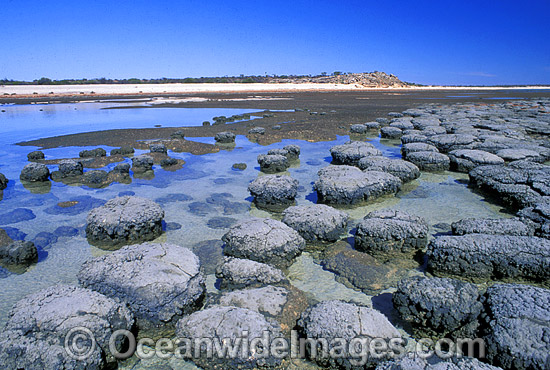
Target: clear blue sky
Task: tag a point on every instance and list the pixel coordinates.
(430, 42)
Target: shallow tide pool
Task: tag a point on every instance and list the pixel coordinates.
(200, 201)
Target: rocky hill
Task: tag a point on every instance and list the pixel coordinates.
(371, 79)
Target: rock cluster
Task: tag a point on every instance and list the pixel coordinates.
(273, 191)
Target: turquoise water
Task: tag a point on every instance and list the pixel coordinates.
(192, 214)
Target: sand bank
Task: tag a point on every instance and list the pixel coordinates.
(176, 88)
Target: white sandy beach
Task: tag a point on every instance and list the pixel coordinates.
(177, 88)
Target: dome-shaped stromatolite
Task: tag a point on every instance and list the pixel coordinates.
(351, 152)
(3, 182)
(464, 160)
(71, 168)
(273, 163)
(239, 273)
(124, 220)
(349, 185)
(225, 137)
(316, 222)
(273, 191)
(439, 306)
(40, 323)
(142, 163)
(159, 282)
(35, 172)
(429, 161)
(336, 319)
(406, 171)
(517, 326)
(263, 240)
(389, 232)
(391, 132)
(229, 324)
(408, 148)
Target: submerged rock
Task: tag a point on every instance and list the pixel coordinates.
(439, 307)
(239, 166)
(238, 273)
(517, 319)
(351, 152)
(349, 185)
(40, 324)
(386, 233)
(273, 163)
(405, 171)
(273, 191)
(17, 215)
(124, 220)
(35, 172)
(481, 257)
(95, 178)
(158, 282)
(317, 222)
(263, 240)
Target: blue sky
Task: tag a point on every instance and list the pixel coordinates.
(429, 42)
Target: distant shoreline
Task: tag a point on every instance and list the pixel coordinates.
(28, 91)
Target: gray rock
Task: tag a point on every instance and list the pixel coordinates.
(158, 148)
(158, 282)
(481, 257)
(517, 319)
(408, 148)
(225, 137)
(263, 240)
(389, 132)
(142, 163)
(351, 152)
(124, 220)
(238, 273)
(95, 178)
(35, 172)
(180, 134)
(273, 191)
(3, 182)
(359, 128)
(125, 150)
(517, 154)
(71, 168)
(35, 156)
(381, 121)
(336, 319)
(413, 138)
(168, 162)
(349, 185)
(39, 324)
(317, 222)
(405, 171)
(518, 185)
(98, 152)
(228, 324)
(273, 163)
(439, 307)
(257, 131)
(388, 232)
(464, 160)
(268, 300)
(429, 161)
(402, 124)
(425, 122)
(18, 253)
(493, 226)
(448, 142)
(293, 151)
(417, 363)
(540, 215)
(123, 168)
(395, 115)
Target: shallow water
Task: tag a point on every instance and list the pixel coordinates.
(186, 196)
